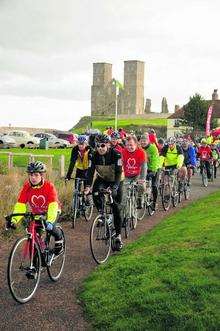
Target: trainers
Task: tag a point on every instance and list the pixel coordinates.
(118, 243)
(58, 248)
(31, 273)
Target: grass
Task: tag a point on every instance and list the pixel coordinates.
(169, 279)
(125, 123)
(21, 161)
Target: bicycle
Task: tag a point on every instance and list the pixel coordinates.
(30, 254)
(130, 209)
(102, 232)
(81, 205)
(148, 202)
(203, 172)
(169, 188)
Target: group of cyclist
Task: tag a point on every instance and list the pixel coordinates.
(115, 160)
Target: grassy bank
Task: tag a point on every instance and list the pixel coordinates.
(167, 280)
(21, 161)
(127, 124)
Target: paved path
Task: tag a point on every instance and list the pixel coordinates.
(55, 305)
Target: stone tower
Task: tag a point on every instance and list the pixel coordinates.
(215, 95)
(147, 109)
(133, 87)
(164, 106)
(103, 92)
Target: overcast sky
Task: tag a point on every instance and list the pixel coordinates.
(47, 48)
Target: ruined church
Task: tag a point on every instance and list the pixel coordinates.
(130, 96)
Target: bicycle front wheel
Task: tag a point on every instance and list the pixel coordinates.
(74, 209)
(100, 239)
(56, 264)
(88, 210)
(142, 211)
(166, 196)
(204, 178)
(23, 271)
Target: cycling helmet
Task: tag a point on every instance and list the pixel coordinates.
(203, 141)
(82, 139)
(115, 135)
(102, 138)
(171, 141)
(36, 166)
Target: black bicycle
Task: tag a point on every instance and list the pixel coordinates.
(82, 205)
(102, 233)
(30, 254)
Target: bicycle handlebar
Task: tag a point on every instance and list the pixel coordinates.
(27, 215)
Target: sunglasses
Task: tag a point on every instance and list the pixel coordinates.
(101, 145)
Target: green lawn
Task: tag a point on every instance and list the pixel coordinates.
(21, 161)
(125, 123)
(167, 280)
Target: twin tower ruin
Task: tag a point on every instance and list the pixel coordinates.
(130, 99)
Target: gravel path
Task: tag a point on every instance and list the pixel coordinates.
(55, 305)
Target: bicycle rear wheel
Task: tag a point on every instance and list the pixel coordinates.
(88, 210)
(23, 278)
(166, 196)
(100, 239)
(56, 264)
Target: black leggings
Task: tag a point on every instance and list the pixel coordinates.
(155, 177)
(116, 208)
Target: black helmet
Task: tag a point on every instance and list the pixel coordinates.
(36, 166)
(102, 138)
(161, 141)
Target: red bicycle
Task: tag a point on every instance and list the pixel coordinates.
(30, 254)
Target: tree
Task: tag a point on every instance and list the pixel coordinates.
(195, 113)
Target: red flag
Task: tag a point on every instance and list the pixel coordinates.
(208, 120)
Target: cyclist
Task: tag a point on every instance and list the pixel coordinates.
(215, 157)
(135, 168)
(79, 158)
(108, 166)
(115, 142)
(189, 158)
(153, 164)
(205, 156)
(160, 144)
(172, 158)
(40, 196)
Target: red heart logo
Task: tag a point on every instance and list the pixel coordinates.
(38, 201)
(131, 163)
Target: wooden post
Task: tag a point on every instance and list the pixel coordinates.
(10, 160)
(62, 166)
(51, 161)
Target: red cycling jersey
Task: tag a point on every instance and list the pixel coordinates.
(204, 153)
(38, 198)
(132, 162)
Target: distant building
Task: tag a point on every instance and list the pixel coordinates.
(174, 121)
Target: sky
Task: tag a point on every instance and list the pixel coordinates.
(47, 48)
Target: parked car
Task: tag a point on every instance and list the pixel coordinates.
(53, 141)
(69, 136)
(6, 141)
(24, 139)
